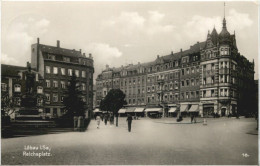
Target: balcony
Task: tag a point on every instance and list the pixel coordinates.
(224, 71)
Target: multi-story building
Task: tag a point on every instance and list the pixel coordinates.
(13, 88)
(211, 77)
(56, 65)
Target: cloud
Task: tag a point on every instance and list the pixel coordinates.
(103, 53)
(197, 28)
(5, 59)
(129, 23)
(19, 37)
(238, 21)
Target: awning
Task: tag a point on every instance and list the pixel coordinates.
(130, 109)
(153, 110)
(184, 107)
(122, 110)
(208, 105)
(194, 108)
(139, 110)
(173, 109)
(97, 110)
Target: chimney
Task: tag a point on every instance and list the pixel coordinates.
(181, 49)
(38, 40)
(138, 63)
(90, 55)
(172, 52)
(58, 43)
(80, 50)
(158, 56)
(84, 54)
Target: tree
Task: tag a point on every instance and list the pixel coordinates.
(73, 102)
(114, 100)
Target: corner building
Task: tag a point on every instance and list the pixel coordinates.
(209, 78)
(56, 65)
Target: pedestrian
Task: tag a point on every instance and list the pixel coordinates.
(101, 116)
(191, 118)
(98, 121)
(129, 119)
(105, 118)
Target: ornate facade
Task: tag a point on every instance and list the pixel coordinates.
(209, 78)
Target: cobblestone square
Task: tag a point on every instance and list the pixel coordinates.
(227, 141)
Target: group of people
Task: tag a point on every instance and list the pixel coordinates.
(107, 117)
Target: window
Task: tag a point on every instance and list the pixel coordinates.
(62, 71)
(48, 83)
(212, 66)
(77, 73)
(3, 86)
(188, 71)
(192, 94)
(47, 97)
(66, 59)
(198, 69)
(197, 82)
(192, 70)
(83, 85)
(182, 71)
(18, 101)
(83, 74)
(187, 83)
(39, 89)
(39, 101)
(70, 72)
(204, 93)
(48, 69)
(62, 84)
(182, 83)
(212, 80)
(204, 81)
(17, 88)
(55, 98)
(197, 94)
(187, 95)
(55, 70)
(61, 98)
(55, 84)
(212, 93)
(192, 82)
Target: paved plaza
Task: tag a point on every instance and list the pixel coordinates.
(152, 141)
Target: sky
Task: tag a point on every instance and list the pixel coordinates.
(121, 33)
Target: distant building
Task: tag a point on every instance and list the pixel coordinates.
(56, 65)
(211, 77)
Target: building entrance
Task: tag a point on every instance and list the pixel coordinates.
(223, 111)
(208, 110)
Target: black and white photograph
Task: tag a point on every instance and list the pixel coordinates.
(129, 82)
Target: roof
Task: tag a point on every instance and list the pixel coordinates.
(10, 70)
(60, 51)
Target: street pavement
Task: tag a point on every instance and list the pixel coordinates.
(223, 141)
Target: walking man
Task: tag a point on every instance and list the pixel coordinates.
(129, 119)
